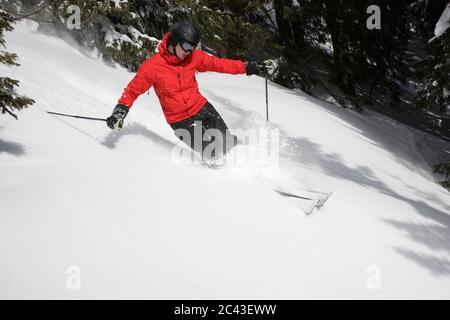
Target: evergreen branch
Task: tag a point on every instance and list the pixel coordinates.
(19, 17)
(446, 184)
(8, 58)
(442, 169)
(266, 12)
(5, 109)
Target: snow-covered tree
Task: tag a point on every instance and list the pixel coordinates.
(434, 72)
(114, 28)
(9, 99)
(435, 94)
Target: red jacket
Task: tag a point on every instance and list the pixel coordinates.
(174, 80)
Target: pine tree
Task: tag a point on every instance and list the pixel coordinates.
(9, 99)
(435, 94)
(443, 169)
(434, 72)
(367, 63)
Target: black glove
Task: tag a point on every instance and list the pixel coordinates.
(115, 121)
(257, 68)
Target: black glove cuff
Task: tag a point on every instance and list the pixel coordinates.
(120, 111)
(250, 68)
(254, 67)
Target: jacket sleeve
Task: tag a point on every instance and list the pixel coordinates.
(206, 62)
(141, 82)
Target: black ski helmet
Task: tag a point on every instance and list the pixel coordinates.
(184, 32)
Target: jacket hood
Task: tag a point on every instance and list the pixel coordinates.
(162, 49)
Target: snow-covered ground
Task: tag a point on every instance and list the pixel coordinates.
(136, 224)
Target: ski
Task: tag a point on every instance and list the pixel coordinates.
(306, 203)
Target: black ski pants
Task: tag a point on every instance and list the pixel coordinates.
(209, 124)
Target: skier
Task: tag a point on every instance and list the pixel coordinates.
(172, 74)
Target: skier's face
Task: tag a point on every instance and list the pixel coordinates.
(181, 54)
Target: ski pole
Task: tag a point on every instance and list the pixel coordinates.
(74, 116)
(267, 102)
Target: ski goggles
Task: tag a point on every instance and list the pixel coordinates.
(187, 47)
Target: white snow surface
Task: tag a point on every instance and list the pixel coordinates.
(139, 225)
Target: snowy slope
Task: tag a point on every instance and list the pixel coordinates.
(139, 225)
